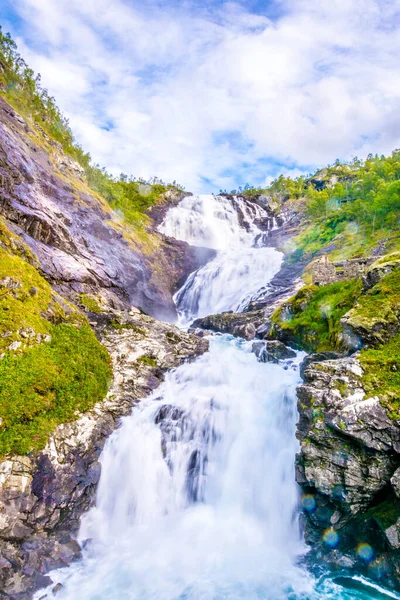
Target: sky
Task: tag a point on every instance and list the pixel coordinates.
(217, 94)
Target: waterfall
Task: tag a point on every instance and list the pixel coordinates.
(240, 268)
(197, 497)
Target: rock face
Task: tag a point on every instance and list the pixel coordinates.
(348, 468)
(83, 246)
(42, 496)
(272, 351)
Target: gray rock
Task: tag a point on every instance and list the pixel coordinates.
(272, 351)
(81, 244)
(348, 463)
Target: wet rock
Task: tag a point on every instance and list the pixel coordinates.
(199, 332)
(272, 351)
(317, 357)
(238, 324)
(168, 411)
(349, 464)
(395, 481)
(380, 268)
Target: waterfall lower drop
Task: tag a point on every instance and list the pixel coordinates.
(197, 498)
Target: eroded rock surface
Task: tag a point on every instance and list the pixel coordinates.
(348, 469)
(43, 495)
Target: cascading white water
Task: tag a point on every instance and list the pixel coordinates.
(197, 498)
(240, 267)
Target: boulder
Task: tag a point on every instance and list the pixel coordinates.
(272, 351)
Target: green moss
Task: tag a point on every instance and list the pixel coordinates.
(147, 360)
(382, 301)
(24, 297)
(52, 365)
(313, 323)
(382, 374)
(341, 386)
(50, 384)
(118, 326)
(90, 303)
(173, 337)
(385, 514)
(13, 245)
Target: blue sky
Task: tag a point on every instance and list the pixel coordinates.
(218, 94)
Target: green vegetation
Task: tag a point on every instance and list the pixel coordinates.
(50, 384)
(355, 208)
(377, 311)
(22, 89)
(90, 303)
(311, 319)
(148, 360)
(118, 326)
(382, 364)
(350, 208)
(52, 365)
(385, 514)
(382, 374)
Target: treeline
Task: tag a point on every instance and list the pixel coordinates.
(359, 199)
(23, 90)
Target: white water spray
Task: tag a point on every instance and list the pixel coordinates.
(197, 498)
(240, 267)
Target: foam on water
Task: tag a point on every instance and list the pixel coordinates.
(241, 266)
(197, 498)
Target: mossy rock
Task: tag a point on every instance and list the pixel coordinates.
(376, 316)
(311, 319)
(90, 303)
(52, 367)
(381, 267)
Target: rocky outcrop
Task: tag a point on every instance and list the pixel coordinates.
(375, 318)
(348, 470)
(43, 495)
(83, 246)
(272, 351)
(238, 324)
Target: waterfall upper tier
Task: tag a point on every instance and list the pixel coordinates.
(241, 267)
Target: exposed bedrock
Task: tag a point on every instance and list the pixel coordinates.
(348, 469)
(82, 244)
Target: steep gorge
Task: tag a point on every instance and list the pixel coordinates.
(71, 263)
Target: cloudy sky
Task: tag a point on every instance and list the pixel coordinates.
(217, 94)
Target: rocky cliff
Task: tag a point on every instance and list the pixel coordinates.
(83, 246)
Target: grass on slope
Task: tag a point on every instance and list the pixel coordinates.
(51, 364)
(382, 374)
(312, 320)
(22, 88)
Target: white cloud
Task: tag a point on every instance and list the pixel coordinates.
(160, 90)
